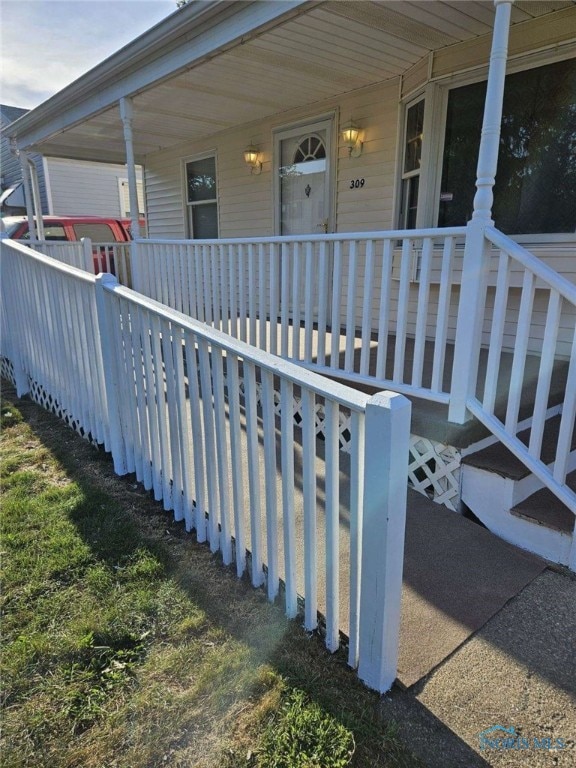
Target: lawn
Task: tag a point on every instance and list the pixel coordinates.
(128, 644)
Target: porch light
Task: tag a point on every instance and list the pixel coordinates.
(251, 158)
(351, 139)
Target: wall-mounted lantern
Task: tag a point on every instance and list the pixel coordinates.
(351, 138)
(252, 159)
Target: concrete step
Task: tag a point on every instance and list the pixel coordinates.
(512, 502)
(545, 509)
(497, 458)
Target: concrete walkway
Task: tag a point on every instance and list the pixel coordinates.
(518, 671)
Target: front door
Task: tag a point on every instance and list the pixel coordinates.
(303, 193)
(304, 179)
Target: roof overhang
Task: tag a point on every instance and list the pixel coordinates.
(216, 64)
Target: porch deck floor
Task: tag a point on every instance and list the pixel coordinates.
(429, 418)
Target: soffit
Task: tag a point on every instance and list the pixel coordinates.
(332, 48)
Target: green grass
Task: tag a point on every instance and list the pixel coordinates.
(126, 644)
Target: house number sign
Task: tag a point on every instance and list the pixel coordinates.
(357, 183)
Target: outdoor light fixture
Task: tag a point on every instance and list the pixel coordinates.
(351, 138)
(251, 158)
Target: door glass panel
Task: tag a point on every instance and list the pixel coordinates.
(535, 190)
(303, 198)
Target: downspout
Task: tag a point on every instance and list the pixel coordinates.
(476, 253)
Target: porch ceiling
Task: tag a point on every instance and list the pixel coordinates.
(310, 52)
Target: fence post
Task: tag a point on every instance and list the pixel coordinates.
(387, 444)
(21, 379)
(88, 258)
(111, 378)
(475, 268)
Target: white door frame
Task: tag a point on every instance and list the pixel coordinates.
(325, 122)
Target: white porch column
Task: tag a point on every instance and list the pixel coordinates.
(25, 168)
(476, 252)
(490, 137)
(126, 113)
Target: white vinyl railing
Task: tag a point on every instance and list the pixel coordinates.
(373, 307)
(113, 258)
(192, 413)
(50, 334)
(545, 293)
(381, 309)
(394, 309)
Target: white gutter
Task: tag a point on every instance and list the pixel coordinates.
(196, 32)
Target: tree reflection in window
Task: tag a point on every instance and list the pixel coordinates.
(309, 149)
(535, 190)
(201, 180)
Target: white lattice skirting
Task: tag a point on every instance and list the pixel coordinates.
(41, 396)
(7, 370)
(434, 470)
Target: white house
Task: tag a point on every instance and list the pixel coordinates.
(347, 139)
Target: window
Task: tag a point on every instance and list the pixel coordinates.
(51, 232)
(535, 190)
(98, 233)
(411, 166)
(201, 197)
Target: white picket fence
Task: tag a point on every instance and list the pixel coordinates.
(191, 411)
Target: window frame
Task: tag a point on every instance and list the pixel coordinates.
(188, 205)
(436, 93)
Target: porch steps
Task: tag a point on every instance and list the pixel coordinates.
(545, 509)
(506, 497)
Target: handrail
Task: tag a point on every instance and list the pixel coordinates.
(387, 234)
(533, 263)
(48, 261)
(557, 307)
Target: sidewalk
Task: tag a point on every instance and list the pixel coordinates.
(519, 671)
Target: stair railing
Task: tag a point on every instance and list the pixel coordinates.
(533, 310)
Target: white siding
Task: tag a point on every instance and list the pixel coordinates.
(85, 188)
(246, 202)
